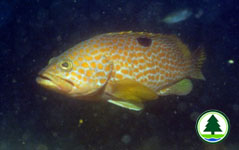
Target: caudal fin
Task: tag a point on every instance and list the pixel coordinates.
(198, 57)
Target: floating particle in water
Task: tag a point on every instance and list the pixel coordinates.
(59, 38)
(126, 139)
(80, 122)
(14, 80)
(54, 134)
(235, 107)
(199, 14)
(194, 116)
(44, 98)
(152, 143)
(230, 61)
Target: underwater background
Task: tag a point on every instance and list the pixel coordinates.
(33, 118)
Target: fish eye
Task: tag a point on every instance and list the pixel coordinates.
(66, 65)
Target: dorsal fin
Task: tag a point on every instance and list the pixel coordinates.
(180, 45)
(147, 35)
(144, 34)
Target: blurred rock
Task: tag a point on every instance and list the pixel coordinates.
(232, 146)
(150, 144)
(219, 146)
(41, 147)
(26, 135)
(3, 146)
(80, 147)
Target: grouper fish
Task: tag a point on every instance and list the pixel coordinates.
(124, 68)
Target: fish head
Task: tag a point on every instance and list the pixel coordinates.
(56, 76)
(75, 74)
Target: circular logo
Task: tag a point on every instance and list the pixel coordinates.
(212, 126)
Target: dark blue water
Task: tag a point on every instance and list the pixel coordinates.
(31, 32)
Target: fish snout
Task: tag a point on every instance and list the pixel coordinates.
(54, 82)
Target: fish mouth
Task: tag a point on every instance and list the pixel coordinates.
(54, 82)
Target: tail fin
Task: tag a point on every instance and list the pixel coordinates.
(198, 57)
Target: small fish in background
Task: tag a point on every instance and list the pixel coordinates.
(124, 68)
(177, 16)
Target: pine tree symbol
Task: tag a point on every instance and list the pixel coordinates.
(212, 125)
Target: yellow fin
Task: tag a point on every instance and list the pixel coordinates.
(136, 106)
(130, 90)
(182, 87)
(199, 57)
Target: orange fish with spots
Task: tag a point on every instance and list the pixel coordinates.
(124, 68)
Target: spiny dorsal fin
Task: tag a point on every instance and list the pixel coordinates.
(180, 45)
(144, 34)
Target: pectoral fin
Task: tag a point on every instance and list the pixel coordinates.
(182, 87)
(131, 91)
(137, 106)
(129, 94)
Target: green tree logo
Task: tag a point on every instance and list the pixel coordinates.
(213, 125)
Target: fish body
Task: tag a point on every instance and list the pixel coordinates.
(177, 16)
(124, 68)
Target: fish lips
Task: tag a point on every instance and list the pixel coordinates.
(54, 83)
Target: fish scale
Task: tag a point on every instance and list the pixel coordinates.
(155, 61)
(153, 66)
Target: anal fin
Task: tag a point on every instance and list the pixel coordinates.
(182, 87)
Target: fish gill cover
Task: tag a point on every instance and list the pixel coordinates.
(34, 31)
